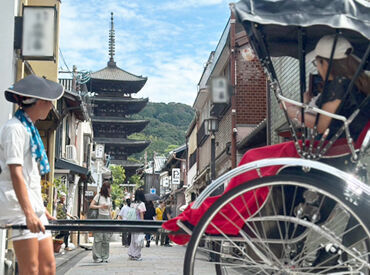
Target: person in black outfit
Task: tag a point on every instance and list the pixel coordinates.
(148, 215)
(62, 215)
(167, 215)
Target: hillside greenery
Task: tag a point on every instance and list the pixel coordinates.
(166, 129)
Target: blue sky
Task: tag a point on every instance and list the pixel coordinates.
(167, 41)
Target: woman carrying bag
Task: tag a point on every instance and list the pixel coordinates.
(22, 161)
(103, 203)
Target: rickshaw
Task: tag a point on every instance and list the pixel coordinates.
(316, 218)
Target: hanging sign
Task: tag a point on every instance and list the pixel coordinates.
(39, 33)
(176, 176)
(220, 90)
(99, 151)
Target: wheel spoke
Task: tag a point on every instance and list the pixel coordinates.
(280, 233)
(262, 243)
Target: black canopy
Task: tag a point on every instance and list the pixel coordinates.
(280, 21)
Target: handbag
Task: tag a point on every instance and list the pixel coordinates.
(93, 213)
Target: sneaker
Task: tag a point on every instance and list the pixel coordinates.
(135, 258)
(98, 260)
(68, 248)
(168, 245)
(105, 261)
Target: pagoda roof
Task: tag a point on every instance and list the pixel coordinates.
(118, 120)
(113, 73)
(122, 142)
(127, 164)
(116, 126)
(120, 148)
(110, 106)
(113, 99)
(112, 78)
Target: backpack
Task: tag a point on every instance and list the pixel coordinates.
(131, 214)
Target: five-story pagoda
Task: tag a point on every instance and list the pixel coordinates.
(112, 106)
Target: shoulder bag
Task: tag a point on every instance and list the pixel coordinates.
(93, 213)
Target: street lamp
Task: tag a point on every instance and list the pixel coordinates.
(211, 125)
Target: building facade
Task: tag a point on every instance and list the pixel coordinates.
(233, 60)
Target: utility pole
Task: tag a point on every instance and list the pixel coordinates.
(153, 171)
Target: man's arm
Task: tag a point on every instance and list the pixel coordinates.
(33, 222)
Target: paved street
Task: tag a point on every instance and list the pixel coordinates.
(156, 260)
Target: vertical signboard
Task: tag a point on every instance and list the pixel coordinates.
(176, 176)
(39, 32)
(220, 90)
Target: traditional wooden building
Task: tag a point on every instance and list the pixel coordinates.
(112, 106)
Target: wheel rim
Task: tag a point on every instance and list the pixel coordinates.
(281, 240)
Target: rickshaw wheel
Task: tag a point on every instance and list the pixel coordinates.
(307, 225)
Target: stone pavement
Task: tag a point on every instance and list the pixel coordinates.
(157, 260)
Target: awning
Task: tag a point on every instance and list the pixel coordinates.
(256, 138)
(76, 104)
(74, 168)
(201, 176)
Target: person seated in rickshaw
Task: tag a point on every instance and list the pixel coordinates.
(344, 65)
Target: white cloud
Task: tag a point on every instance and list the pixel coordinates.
(169, 47)
(181, 4)
(173, 82)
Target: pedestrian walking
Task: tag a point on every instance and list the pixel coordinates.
(149, 215)
(22, 160)
(134, 251)
(126, 236)
(167, 215)
(103, 203)
(159, 217)
(62, 215)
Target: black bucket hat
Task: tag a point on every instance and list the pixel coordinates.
(34, 87)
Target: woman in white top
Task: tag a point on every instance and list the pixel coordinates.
(134, 251)
(102, 202)
(22, 160)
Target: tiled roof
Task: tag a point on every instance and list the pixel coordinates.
(126, 163)
(115, 73)
(159, 162)
(121, 141)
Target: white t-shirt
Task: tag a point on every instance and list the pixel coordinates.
(140, 207)
(103, 200)
(15, 149)
(123, 212)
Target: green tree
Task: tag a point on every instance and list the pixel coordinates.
(167, 127)
(117, 193)
(135, 179)
(170, 148)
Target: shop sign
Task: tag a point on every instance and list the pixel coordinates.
(176, 176)
(39, 31)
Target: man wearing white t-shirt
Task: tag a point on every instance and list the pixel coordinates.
(126, 236)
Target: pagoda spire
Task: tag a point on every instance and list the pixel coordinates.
(112, 43)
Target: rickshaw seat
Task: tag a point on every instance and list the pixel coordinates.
(339, 154)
